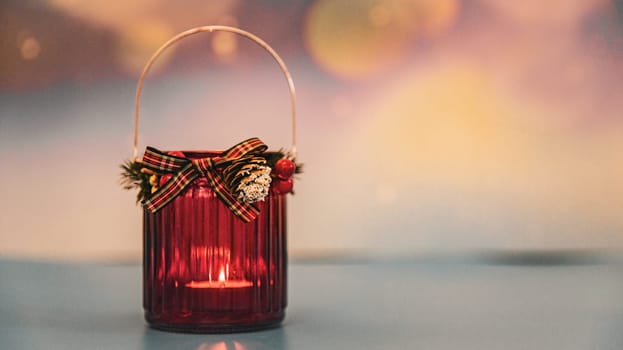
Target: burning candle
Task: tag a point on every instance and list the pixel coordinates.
(222, 282)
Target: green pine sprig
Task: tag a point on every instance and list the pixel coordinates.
(133, 178)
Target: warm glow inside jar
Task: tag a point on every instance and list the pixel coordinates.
(205, 270)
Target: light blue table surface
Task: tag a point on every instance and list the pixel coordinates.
(391, 305)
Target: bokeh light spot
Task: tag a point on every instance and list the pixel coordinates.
(357, 39)
(446, 122)
(139, 40)
(346, 37)
(30, 48)
(224, 44)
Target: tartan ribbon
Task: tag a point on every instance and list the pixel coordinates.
(185, 171)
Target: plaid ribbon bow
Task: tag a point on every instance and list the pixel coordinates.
(187, 170)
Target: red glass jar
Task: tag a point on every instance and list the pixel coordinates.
(205, 270)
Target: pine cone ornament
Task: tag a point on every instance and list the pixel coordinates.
(248, 179)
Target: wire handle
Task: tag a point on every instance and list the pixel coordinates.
(211, 28)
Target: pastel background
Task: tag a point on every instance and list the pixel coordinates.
(426, 126)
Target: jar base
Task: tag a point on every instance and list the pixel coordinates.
(207, 328)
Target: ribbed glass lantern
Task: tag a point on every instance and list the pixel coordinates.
(205, 270)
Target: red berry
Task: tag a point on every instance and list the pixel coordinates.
(164, 178)
(285, 168)
(283, 186)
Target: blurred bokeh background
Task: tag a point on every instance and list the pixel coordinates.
(425, 126)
